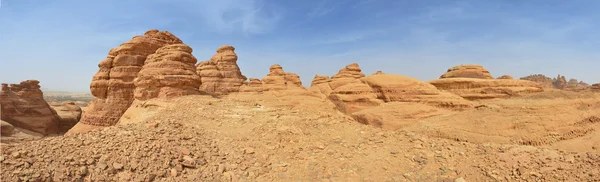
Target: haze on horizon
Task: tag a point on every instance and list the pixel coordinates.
(61, 42)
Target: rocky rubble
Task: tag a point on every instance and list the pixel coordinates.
(23, 106)
(112, 86)
(142, 152)
(221, 75)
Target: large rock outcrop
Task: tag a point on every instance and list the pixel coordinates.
(483, 87)
(254, 85)
(595, 87)
(467, 71)
(113, 86)
(277, 79)
(544, 81)
(320, 85)
(221, 75)
(560, 82)
(23, 106)
(69, 113)
(169, 72)
(351, 91)
(6, 129)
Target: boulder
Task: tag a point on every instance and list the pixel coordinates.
(23, 106)
(221, 75)
(6, 129)
(467, 71)
(112, 86)
(69, 114)
(169, 72)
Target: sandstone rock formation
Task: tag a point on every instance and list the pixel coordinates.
(68, 113)
(386, 116)
(483, 87)
(544, 81)
(398, 88)
(277, 79)
(560, 82)
(23, 106)
(467, 71)
(349, 74)
(378, 73)
(505, 77)
(254, 85)
(6, 129)
(221, 75)
(169, 72)
(320, 85)
(113, 86)
(595, 87)
(351, 91)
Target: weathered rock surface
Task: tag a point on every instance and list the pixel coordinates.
(113, 86)
(6, 129)
(544, 81)
(277, 80)
(474, 82)
(221, 75)
(354, 97)
(320, 85)
(168, 73)
(474, 89)
(69, 114)
(560, 82)
(386, 116)
(595, 87)
(505, 77)
(398, 88)
(23, 106)
(254, 85)
(349, 74)
(467, 71)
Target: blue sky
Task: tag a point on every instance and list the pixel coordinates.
(60, 42)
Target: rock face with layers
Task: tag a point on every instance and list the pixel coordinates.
(544, 81)
(69, 114)
(485, 88)
(254, 85)
(6, 129)
(595, 87)
(113, 86)
(398, 88)
(349, 74)
(277, 79)
(23, 106)
(221, 75)
(506, 77)
(320, 85)
(168, 73)
(467, 71)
